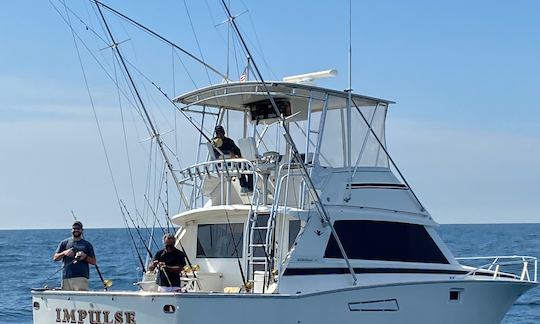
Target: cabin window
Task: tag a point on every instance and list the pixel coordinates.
(294, 229)
(220, 240)
(385, 241)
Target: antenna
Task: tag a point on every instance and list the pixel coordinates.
(349, 111)
(309, 78)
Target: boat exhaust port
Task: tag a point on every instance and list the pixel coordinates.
(36, 305)
(169, 309)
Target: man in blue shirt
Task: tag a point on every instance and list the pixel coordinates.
(76, 253)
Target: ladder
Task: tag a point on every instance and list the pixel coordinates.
(260, 243)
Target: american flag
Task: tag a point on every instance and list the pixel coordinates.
(245, 75)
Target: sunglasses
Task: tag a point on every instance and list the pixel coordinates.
(76, 228)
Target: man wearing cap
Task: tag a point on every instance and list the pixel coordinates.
(76, 253)
(228, 147)
(170, 262)
(225, 144)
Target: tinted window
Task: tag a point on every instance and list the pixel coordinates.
(376, 240)
(294, 229)
(219, 240)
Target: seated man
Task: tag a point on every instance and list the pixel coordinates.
(228, 147)
(170, 261)
(224, 144)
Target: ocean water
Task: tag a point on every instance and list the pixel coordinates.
(26, 262)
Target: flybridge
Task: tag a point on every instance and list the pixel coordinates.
(324, 131)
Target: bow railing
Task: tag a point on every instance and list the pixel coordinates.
(523, 268)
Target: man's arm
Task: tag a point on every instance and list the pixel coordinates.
(236, 150)
(59, 256)
(88, 254)
(154, 263)
(85, 257)
(61, 252)
(90, 260)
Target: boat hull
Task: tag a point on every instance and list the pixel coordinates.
(479, 302)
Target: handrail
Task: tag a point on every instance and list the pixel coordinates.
(216, 167)
(505, 260)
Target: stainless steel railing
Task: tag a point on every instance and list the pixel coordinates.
(496, 264)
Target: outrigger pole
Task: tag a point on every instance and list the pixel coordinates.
(322, 211)
(153, 129)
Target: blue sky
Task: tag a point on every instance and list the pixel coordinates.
(465, 130)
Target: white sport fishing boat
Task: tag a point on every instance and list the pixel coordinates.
(271, 254)
(330, 232)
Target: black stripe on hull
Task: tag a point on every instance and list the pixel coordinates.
(334, 271)
(378, 186)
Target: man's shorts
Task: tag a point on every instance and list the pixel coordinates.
(169, 289)
(75, 284)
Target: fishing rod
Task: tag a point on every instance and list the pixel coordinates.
(56, 272)
(133, 240)
(62, 268)
(247, 287)
(107, 283)
(200, 130)
(165, 273)
(154, 213)
(167, 199)
(136, 229)
(179, 242)
(145, 226)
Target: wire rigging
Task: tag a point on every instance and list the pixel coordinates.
(151, 32)
(196, 39)
(108, 74)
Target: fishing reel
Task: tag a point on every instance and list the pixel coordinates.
(193, 268)
(107, 283)
(247, 287)
(77, 257)
(217, 142)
